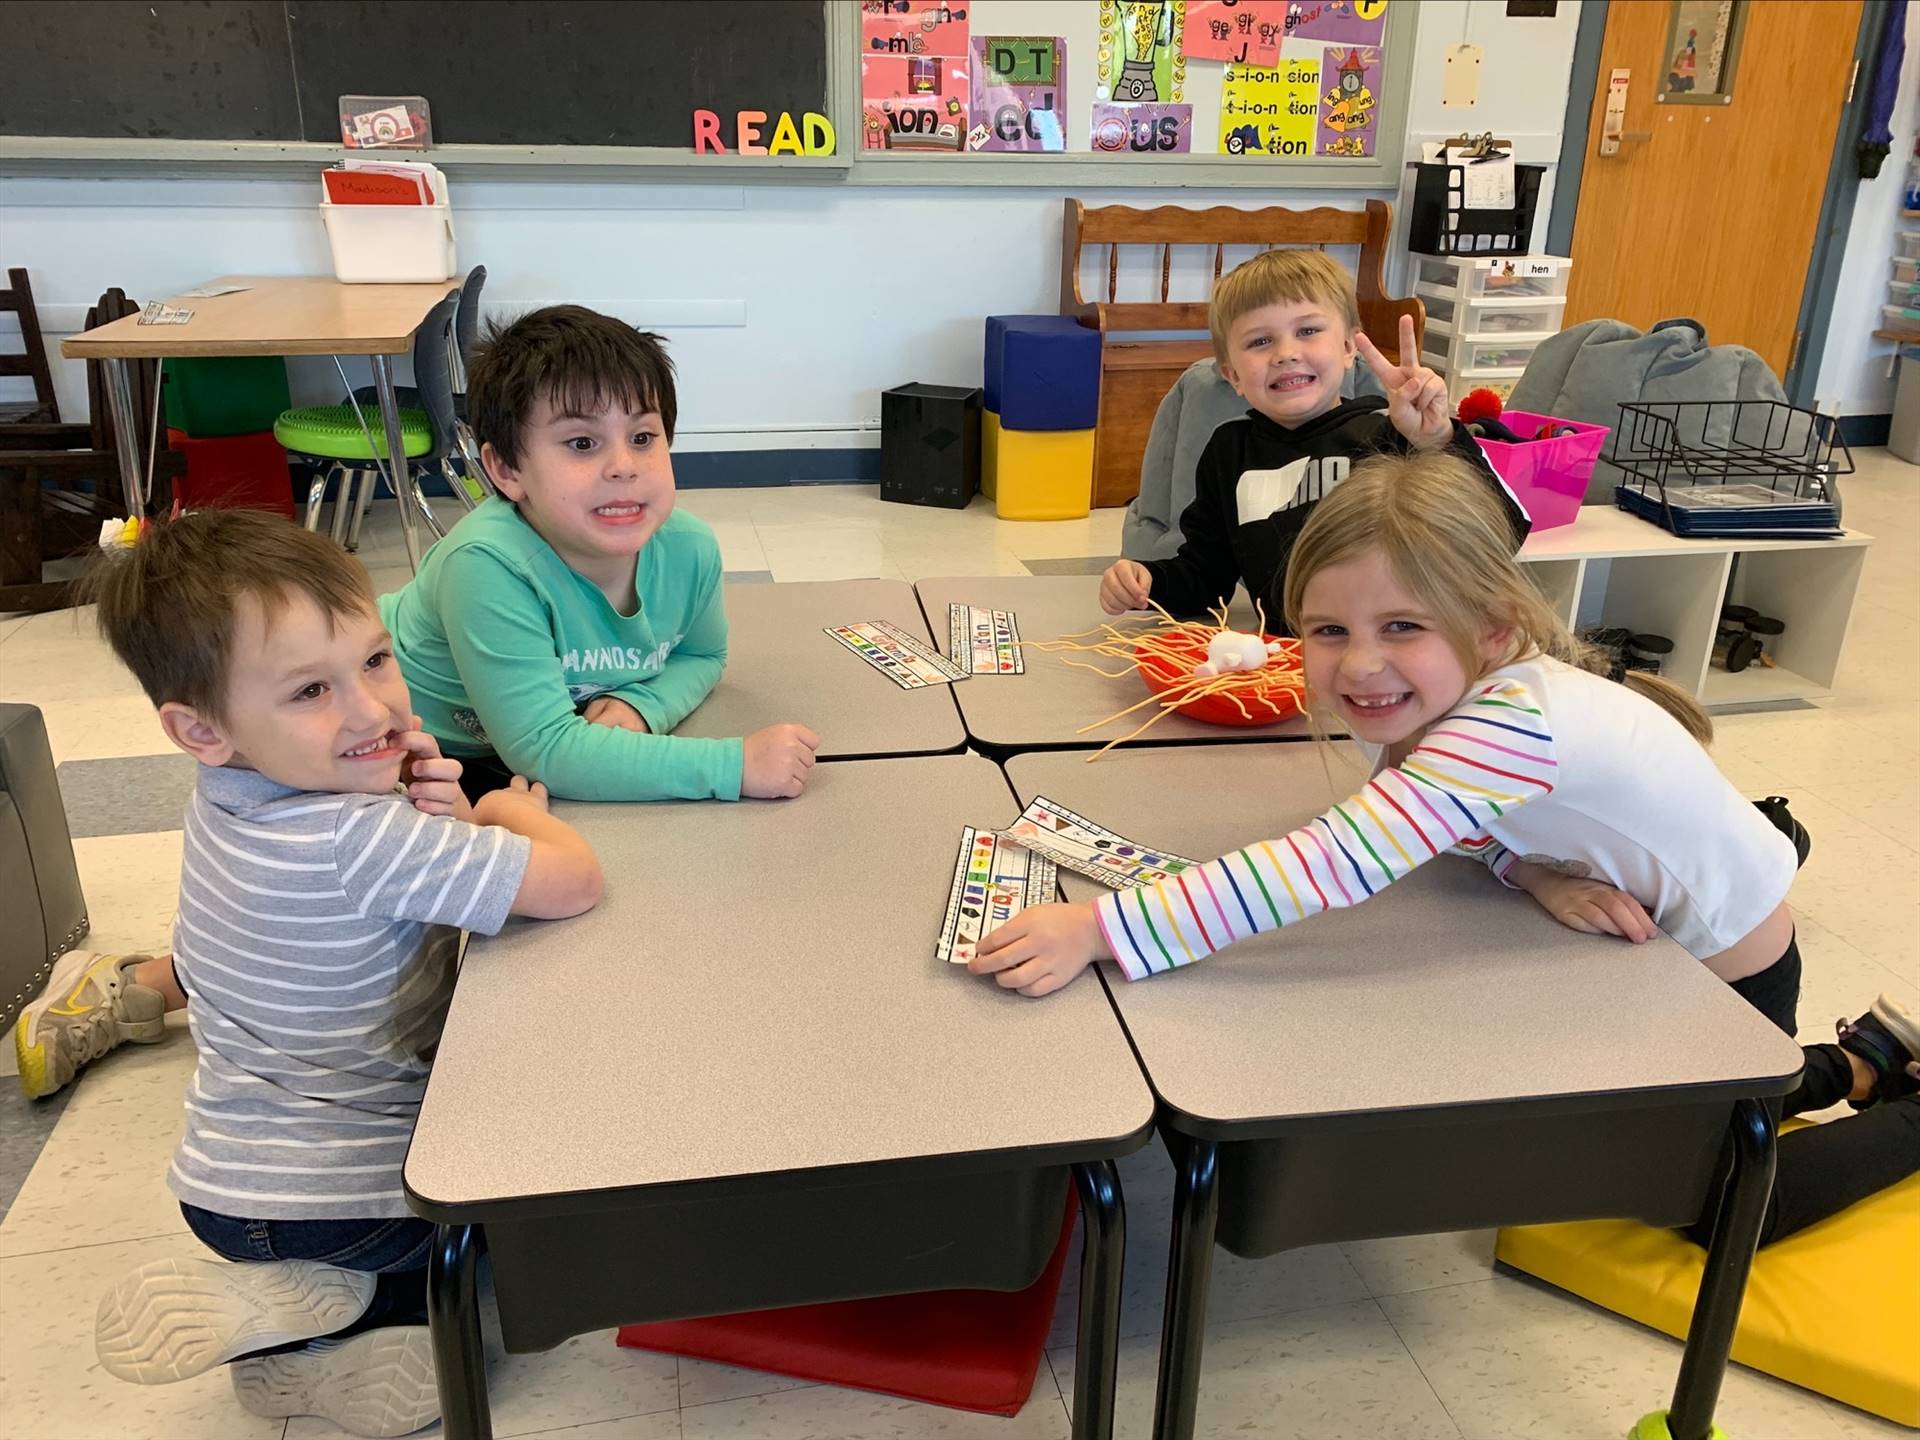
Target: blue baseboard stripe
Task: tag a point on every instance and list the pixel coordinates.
(706, 469)
(731, 469)
(1865, 429)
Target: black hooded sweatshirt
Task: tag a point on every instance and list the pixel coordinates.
(1257, 482)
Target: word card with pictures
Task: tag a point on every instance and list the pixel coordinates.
(993, 881)
(1092, 850)
(986, 642)
(909, 662)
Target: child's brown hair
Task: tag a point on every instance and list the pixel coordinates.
(577, 358)
(168, 604)
(1281, 277)
(1446, 537)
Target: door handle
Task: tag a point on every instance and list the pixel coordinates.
(1613, 121)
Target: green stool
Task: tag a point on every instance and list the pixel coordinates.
(332, 432)
(320, 434)
(351, 443)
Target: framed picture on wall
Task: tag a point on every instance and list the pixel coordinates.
(1703, 51)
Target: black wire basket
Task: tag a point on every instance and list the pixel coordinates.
(1730, 468)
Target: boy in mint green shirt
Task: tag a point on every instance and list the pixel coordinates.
(562, 631)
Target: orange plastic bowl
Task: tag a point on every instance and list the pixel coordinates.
(1265, 705)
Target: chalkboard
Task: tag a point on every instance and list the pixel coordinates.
(496, 72)
(148, 70)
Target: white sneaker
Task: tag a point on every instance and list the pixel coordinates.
(379, 1382)
(174, 1319)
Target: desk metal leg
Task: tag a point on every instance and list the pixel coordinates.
(405, 489)
(1103, 1252)
(453, 1311)
(1723, 1285)
(1196, 1213)
(126, 437)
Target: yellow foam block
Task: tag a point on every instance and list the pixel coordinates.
(989, 452)
(1835, 1308)
(1040, 474)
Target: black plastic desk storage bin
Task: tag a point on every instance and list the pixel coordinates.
(930, 445)
(1442, 225)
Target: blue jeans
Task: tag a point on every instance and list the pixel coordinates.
(394, 1250)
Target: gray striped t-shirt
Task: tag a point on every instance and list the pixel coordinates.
(317, 938)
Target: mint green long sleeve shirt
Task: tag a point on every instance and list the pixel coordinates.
(500, 643)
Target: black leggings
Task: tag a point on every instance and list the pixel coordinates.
(1822, 1169)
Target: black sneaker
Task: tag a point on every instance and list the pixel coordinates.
(1774, 807)
(1887, 1037)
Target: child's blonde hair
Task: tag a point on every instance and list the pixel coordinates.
(1446, 537)
(1281, 277)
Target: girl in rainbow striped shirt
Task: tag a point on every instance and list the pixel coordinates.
(1492, 738)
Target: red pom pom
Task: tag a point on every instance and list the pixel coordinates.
(1480, 404)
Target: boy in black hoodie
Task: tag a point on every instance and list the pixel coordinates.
(1286, 329)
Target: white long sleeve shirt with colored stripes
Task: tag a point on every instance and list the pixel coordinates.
(1541, 761)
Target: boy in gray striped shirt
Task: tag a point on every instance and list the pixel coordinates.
(316, 941)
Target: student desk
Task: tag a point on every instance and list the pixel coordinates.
(744, 1081)
(1044, 708)
(1442, 1056)
(782, 665)
(274, 315)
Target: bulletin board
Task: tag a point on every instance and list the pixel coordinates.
(1085, 92)
(1059, 93)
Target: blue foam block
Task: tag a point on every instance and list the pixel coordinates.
(1042, 372)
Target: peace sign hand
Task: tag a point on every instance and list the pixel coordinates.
(1416, 397)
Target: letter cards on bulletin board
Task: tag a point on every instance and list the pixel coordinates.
(1250, 79)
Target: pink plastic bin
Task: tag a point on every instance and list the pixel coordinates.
(1548, 477)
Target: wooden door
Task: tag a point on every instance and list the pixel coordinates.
(1709, 210)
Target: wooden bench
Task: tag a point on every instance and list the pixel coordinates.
(1135, 375)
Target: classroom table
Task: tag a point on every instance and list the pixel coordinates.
(782, 665)
(1045, 708)
(274, 315)
(1443, 1056)
(744, 1081)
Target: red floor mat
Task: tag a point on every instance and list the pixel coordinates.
(966, 1349)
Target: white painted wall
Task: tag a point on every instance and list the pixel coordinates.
(1854, 367)
(788, 307)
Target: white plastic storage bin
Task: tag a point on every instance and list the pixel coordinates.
(1509, 354)
(1461, 383)
(1498, 318)
(391, 244)
(1480, 277)
(1909, 242)
(1906, 270)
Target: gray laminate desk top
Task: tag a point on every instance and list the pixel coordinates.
(1443, 990)
(758, 993)
(783, 666)
(1045, 706)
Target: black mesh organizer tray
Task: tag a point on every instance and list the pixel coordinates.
(1760, 469)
